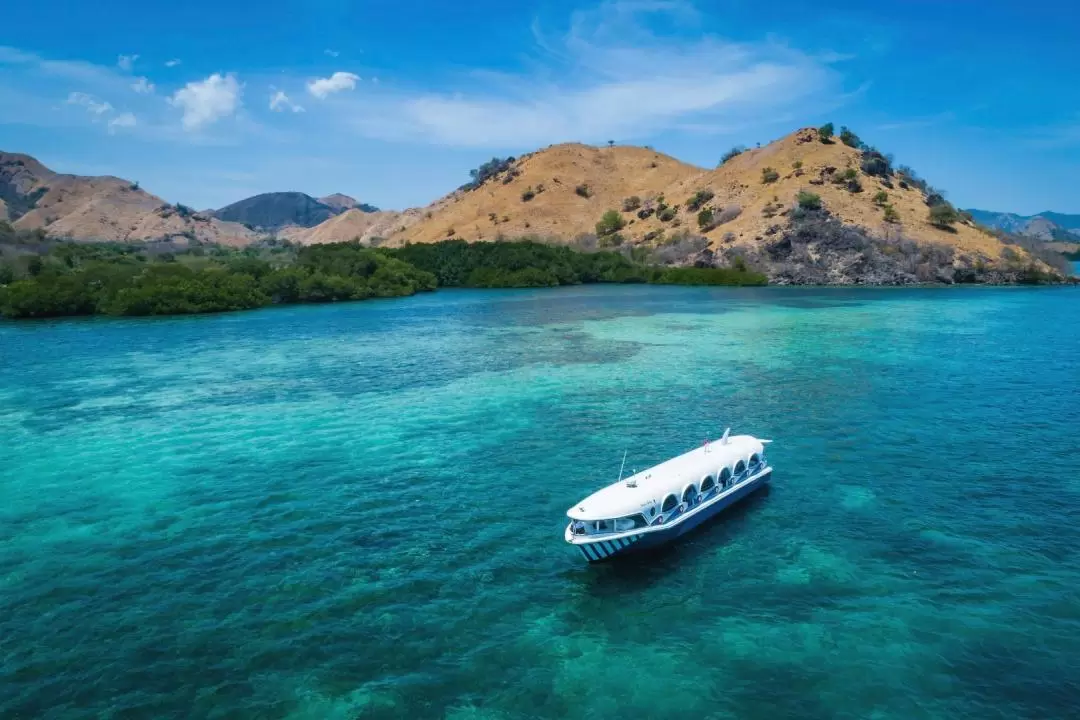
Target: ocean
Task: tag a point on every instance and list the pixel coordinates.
(356, 510)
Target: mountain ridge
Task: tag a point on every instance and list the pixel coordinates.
(806, 208)
(1046, 226)
(276, 210)
(102, 208)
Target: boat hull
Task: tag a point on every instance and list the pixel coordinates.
(597, 550)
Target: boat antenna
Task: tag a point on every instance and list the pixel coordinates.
(723, 440)
(623, 466)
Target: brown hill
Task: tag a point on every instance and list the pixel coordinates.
(874, 227)
(556, 208)
(616, 174)
(804, 164)
(354, 225)
(339, 202)
(101, 208)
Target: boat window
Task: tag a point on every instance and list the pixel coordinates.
(605, 525)
(707, 484)
(740, 467)
(725, 477)
(669, 503)
(630, 523)
(689, 493)
(754, 459)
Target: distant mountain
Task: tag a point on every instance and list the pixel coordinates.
(1047, 226)
(101, 208)
(341, 203)
(277, 210)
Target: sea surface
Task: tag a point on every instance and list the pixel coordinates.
(356, 510)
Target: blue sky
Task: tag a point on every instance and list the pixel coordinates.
(392, 102)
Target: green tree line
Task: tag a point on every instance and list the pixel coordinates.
(128, 280)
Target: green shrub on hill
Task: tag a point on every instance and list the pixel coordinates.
(849, 138)
(808, 200)
(732, 153)
(943, 216)
(705, 220)
(825, 133)
(611, 222)
(491, 168)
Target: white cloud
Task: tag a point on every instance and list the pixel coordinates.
(610, 76)
(207, 101)
(126, 62)
(331, 53)
(172, 63)
(321, 87)
(123, 120)
(142, 86)
(91, 103)
(280, 101)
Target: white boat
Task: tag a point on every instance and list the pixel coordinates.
(657, 505)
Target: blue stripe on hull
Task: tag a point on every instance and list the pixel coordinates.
(604, 549)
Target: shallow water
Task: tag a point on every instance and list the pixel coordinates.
(357, 510)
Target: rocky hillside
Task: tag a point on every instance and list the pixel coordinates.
(807, 208)
(101, 208)
(763, 206)
(557, 193)
(370, 228)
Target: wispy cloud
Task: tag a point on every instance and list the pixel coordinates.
(280, 101)
(91, 103)
(172, 63)
(321, 87)
(331, 53)
(608, 75)
(207, 101)
(142, 86)
(126, 62)
(123, 120)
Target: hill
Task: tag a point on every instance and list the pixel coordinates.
(556, 193)
(804, 209)
(1046, 226)
(276, 210)
(367, 227)
(101, 208)
(341, 203)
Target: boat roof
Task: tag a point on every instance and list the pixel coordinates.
(637, 492)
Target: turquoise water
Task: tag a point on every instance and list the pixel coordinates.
(356, 511)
